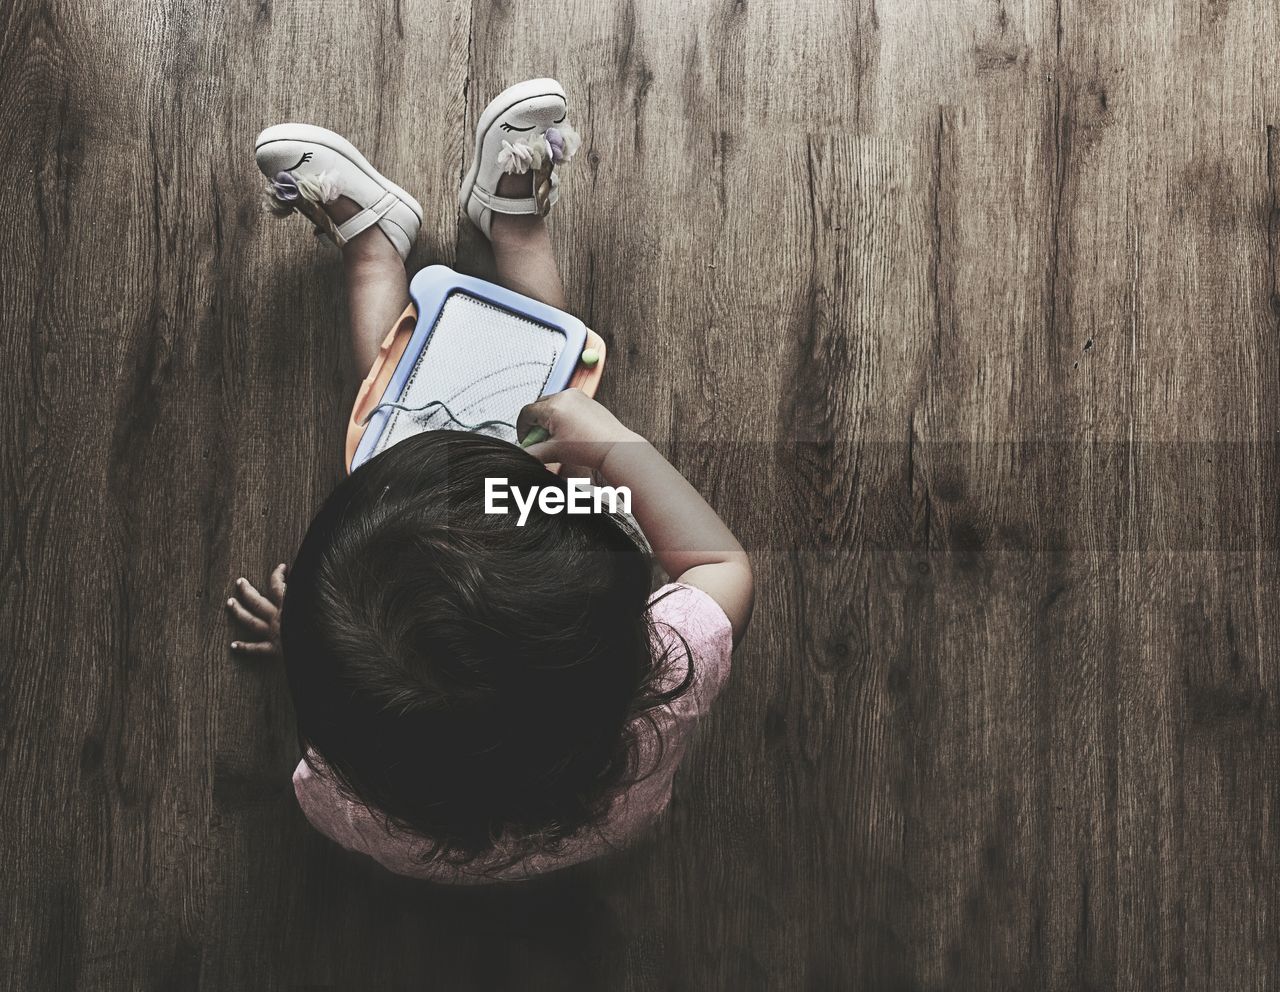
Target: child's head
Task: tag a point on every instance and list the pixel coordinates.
(469, 678)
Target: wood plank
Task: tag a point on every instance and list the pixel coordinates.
(964, 315)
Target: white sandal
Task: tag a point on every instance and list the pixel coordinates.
(309, 166)
(525, 129)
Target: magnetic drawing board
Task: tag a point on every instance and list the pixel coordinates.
(481, 350)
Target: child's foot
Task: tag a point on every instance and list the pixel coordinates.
(369, 243)
(514, 187)
(522, 136)
(322, 176)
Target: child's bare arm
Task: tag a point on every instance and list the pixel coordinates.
(689, 539)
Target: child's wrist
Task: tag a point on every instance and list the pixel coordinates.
(612, 462)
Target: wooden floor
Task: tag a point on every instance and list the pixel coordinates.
(965, 314)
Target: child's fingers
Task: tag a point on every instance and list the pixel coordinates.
(577, 472)
(535, 418)
(257, 602)
(260, 648)
(275, 585)
(537, 434)
(255, 625)
(544, 451)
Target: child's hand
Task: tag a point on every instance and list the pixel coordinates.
(575, 430)
(689, 540)
(259, 614)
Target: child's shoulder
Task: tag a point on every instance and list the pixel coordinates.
(691, 629)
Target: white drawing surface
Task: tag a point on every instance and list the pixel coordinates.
(482, 362)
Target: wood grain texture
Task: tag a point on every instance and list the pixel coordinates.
(965, 315)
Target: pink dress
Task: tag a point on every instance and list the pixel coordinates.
(705, 628)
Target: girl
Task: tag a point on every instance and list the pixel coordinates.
(478, 701)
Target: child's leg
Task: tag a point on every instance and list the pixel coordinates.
(522, 249)
(377, 285)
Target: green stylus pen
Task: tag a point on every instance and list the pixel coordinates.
(537, 434)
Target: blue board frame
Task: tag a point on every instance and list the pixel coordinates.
(429, 290)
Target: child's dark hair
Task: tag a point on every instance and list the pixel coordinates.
(472, 680)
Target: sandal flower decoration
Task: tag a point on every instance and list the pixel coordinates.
(540, 154)
(305, 193)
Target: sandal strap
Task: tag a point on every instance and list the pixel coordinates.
(504, 204)
(513, 205)
(365, 219)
